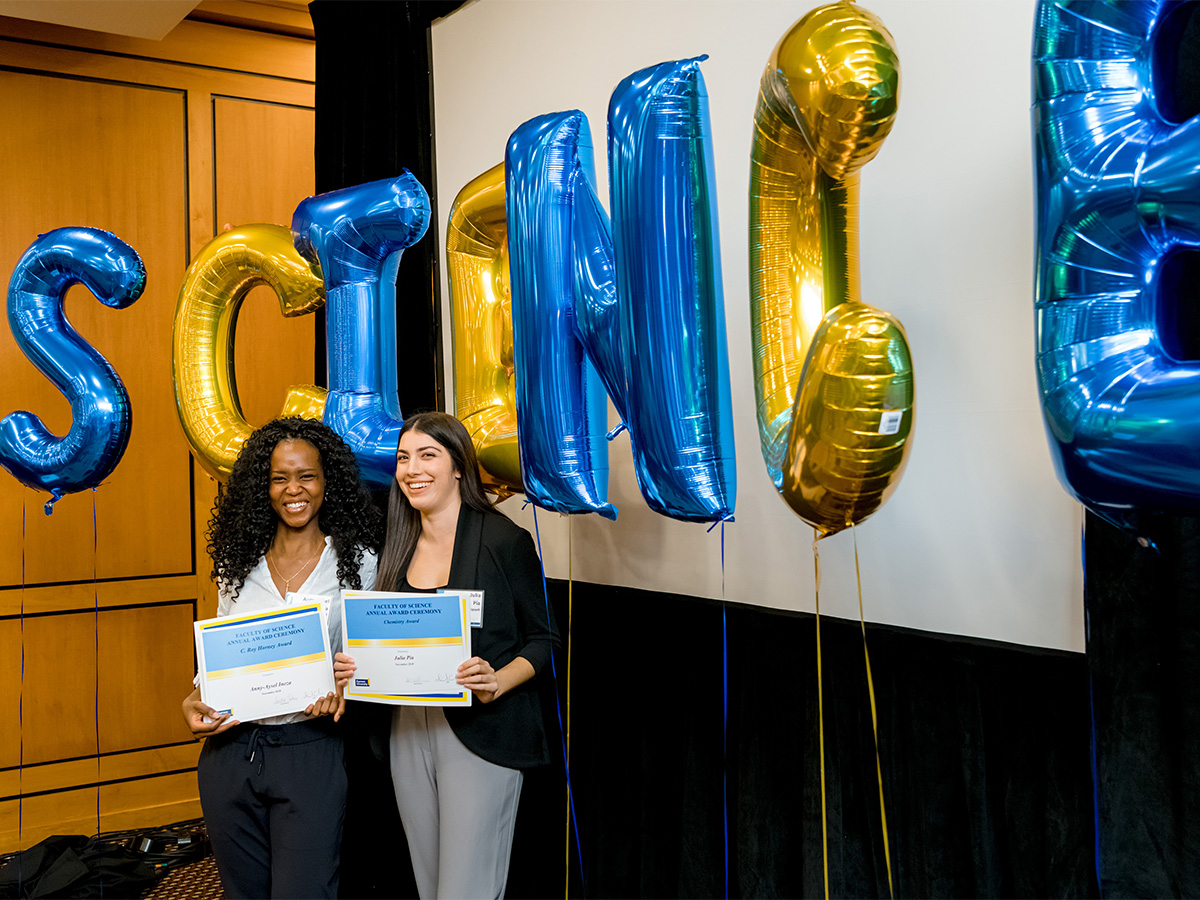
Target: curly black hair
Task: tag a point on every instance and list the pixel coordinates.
(243, 523)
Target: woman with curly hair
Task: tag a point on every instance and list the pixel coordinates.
(293, 525)
(457, 772)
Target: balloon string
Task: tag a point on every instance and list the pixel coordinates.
(821, 713)
(558, 706)
(570, 612)
(96, 696)
(21, 709)
(1087, 634)
(724, 713)
(887, 855)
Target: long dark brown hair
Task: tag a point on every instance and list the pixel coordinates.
(404, 522)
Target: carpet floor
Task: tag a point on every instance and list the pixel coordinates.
(195, 881)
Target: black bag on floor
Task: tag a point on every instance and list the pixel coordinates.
(71, 865)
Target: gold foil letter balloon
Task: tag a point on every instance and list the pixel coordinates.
(205, 319)
(833, 376)
(481, 313)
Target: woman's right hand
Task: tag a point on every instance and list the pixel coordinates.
(343, 668)
(195, 711)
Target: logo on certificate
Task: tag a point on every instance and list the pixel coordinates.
(362, 682)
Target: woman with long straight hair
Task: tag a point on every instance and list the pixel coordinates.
(457, 772)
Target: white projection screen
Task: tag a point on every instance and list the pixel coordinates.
(979, 539)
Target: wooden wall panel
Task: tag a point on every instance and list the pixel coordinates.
(58, 689)
(10, 696)
(67, 797)
(145, 654)
(264, 168)
(157, 799)
(116, 163)
(26, 821)
(161, 143)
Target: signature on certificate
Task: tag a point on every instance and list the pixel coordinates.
(441, 678)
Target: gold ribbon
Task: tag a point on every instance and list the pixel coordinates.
(887, 856)
(821, 713)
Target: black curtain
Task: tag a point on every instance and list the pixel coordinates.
(984, 751)
(374, 118)
(1143, 609)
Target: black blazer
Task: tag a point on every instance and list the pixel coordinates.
(494, 554)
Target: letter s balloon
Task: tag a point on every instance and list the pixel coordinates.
(1117, 213)
(101, 416)
(833, 376)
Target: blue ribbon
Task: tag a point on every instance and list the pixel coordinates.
(558, 708)
(1092, 713)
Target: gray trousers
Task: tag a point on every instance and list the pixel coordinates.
(458, 810)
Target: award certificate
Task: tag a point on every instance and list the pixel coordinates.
(407, 647)
(265, 664)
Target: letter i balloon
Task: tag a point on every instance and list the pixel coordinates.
(833, 376)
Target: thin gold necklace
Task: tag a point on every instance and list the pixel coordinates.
(287, 582)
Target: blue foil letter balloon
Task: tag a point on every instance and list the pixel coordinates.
(356, 235)
(101, 415)
(561, 411)
(662, 189)
(1118, 195)
(643, 298)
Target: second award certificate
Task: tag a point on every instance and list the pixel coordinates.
(407, 647)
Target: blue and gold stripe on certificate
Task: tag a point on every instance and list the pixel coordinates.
(264, 666)
(263, 617)
(463, 699)
(450, 641)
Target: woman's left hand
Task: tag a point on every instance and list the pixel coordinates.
(478, 676)
(329, 705)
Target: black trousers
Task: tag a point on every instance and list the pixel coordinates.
(274, 798)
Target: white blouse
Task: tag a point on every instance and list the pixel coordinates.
(259, 594)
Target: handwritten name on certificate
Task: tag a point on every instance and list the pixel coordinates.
(265, 664)
(407, 647)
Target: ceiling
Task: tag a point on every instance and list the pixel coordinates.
(154, 19)
(134, 18)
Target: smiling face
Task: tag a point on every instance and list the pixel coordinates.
(297, 483)
(426, 473)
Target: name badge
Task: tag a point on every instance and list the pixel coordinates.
(474, 604)
(295, 599)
